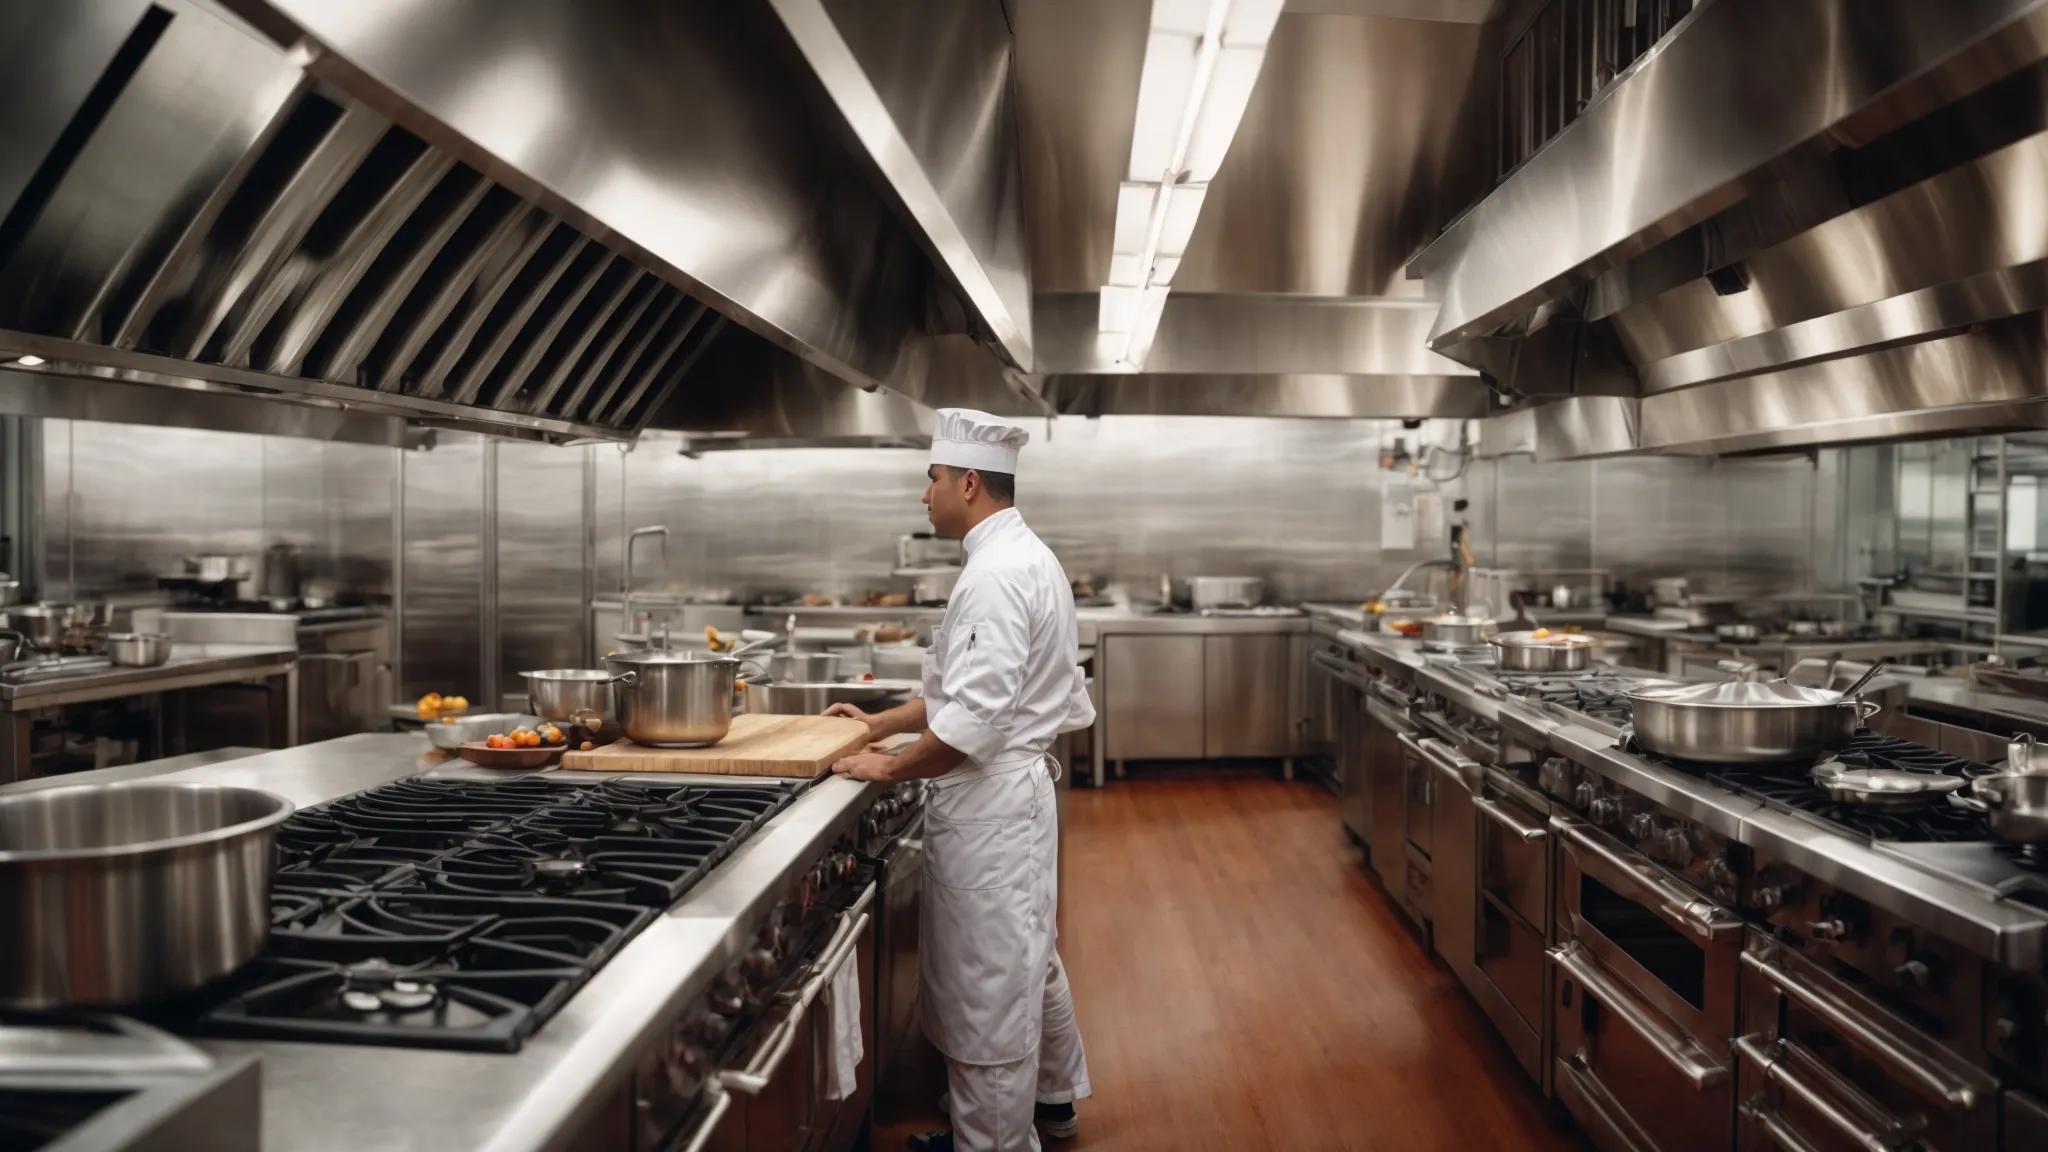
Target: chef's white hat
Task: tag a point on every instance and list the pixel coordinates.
(964, 438)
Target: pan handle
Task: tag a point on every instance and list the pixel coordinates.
(1865, 709)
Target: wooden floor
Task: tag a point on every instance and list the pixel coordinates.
(1242, 983)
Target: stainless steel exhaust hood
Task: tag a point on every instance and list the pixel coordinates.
(528, 222)
(1869, 266)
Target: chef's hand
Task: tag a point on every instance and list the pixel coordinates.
(853, 712)
(870, 766)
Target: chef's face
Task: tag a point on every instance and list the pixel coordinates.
(946, 497)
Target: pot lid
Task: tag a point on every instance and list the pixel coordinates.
(1886, 781)
(1748, 694)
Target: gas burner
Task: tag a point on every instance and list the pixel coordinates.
(1789, 787)
(1601, 696)
(462, 914)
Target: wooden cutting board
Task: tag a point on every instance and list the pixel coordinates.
(758, 745)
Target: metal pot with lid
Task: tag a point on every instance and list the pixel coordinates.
(1748, 722)
(673, 699)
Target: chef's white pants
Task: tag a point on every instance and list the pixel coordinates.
(993, 1104)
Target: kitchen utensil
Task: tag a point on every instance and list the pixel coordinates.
(138, 649)
(897, 661)
(801, 699)
(1457, 631)
(215, 568)
(1528, 652)
(1745, 723)
(803, 667)
(2015, 804)
(929, 585)
(757, 745)
(2019, 755)
(42, 625)
(569, 695)
(482, 755)
(1205, 592)
(1883, 789)
(452, 734)
(118, 893)
(279, 577)
(673, 699)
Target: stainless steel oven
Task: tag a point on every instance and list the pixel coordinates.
(1513, 882)
(1644, 1006)
(1385, 759)
(896, 929)
(1453, 885)
(1825, 1066)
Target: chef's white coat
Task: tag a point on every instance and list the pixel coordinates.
(1001, 681)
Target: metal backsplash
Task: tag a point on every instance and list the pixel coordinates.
(1128, 498)
(123, 504)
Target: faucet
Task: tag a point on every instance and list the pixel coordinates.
(1454, 566)
(626, 598)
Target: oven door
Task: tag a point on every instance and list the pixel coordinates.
(1825, 1067)
(1512, 867)
(1645, 998)
(1418, 827)
(896, 944)
(1383, 758)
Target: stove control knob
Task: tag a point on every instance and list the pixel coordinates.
(1676, 845)
(725, 998)
(1768, 896)
(1582, 796)
(761, 964)
(2005, 1028)
(1604, 810)
(1914, 974)
(1719, 874)
(1641, 825)
(1829, 930)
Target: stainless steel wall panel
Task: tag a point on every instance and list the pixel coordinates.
(1249, 332)
(443, 534)
(540, 603)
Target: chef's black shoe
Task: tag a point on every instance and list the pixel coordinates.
(1057, 1120)
(933, 1142)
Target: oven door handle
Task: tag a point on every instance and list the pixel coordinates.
(1676, 904)
(1956, 1094)
(1685, 1056)
(1387, 718)
(1424, 748)
(845, 939)
(1775, 1058)
(1499, 815)
(1774, 1127)
(707, 1124)
(1339, 670)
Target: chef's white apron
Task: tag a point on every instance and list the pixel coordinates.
(990, 869)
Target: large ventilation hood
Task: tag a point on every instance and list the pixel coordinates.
(530, 222)
(1788, 271)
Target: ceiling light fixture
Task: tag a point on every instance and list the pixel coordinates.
(1201, 61)
(30, 361)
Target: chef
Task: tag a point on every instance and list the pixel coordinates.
(1001, 680)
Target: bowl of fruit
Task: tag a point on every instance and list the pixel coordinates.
(519, 748)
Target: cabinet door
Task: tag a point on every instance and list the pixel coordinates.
(1152, 694)
(1248, 682)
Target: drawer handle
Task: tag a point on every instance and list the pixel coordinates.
(721, 1101)
(1500, 816)
(1686, 1057)
(761, 1069)
(1903, 1063)
(1774, 1126)
(1774, 1059)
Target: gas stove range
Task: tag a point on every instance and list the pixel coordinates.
(460, 914)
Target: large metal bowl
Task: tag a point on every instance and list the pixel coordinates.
(42, 625)
(566, 695)
(119, 893)
(800, 667)
(673, 699)
(1458, 631)
(811, 699)
(138, 649)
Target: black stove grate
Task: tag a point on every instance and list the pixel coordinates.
(460, 914)
(1602, 697)
(1789, 787)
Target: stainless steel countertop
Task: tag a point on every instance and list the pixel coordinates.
(847, 613)
(1952, 694)
(345, 1097)
(190, 666)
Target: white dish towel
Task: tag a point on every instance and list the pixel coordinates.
(842, 1000)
